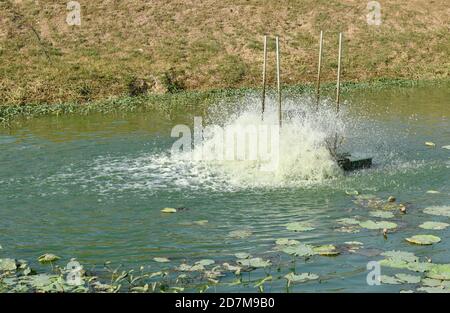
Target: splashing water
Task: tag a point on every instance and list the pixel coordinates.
(302, 156)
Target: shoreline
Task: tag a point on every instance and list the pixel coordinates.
(12, 115)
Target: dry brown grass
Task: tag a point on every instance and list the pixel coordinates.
(209, 44)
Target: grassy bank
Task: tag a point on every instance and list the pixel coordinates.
(135, 47)
(11, 115)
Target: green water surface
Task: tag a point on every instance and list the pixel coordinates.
(92, 187)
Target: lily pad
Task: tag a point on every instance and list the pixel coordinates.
(232, 268)
(300, 278)
(8, 265)
(286, 242)
(188, 268)
(41, 280)
(255, 262)
(439, 271)
(401, 255)
(205, 262)
(409, 279)
(438, 210)
(382, 214)
(430, 282)
(348, 221)
(390, 280)
(434, 225)
(299, 250)
(240, 234)
(352, 192)
(169, 210)
(423, 239)
(349, 229)
(326, 250)
(161, 260)
(242, 255)
(378, 225)
(48, 258)
(394, 263)
(419, 266)
(299, 226)
(433, 290)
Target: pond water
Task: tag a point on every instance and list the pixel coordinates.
(92, 187)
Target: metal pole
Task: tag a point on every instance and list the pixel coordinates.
(278, 80)
(319, 68)
(338, 84)
(264, 79)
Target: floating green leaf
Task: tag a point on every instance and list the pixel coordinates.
(348, 221)
(299, 226)
(205, 262)
(299, 250)
(188, 268)
(286, 242)
(169, 210)
(242, 255)
(352, 192)
(419, 266)
(382, 214)
(394, 263)
(377, 225)
(401, 255)
(232, 268)
(434, 225)
(240, 234)
(161, 260)
(48, 258)
(348, 229)
(439, 271)
(430, 282)
(255, 262)
(390, 280)
(433, 289)
(300, 278)
(433, 191)
(8, 265)
(326, 250)
(423, 239)
(438, 210)
(409, 279)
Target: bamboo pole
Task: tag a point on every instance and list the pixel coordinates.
(264, 79)
(338, 83)
(277, 42)
(319, 68)
(338, 89)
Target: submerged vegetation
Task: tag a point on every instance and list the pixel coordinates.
(277, 266)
